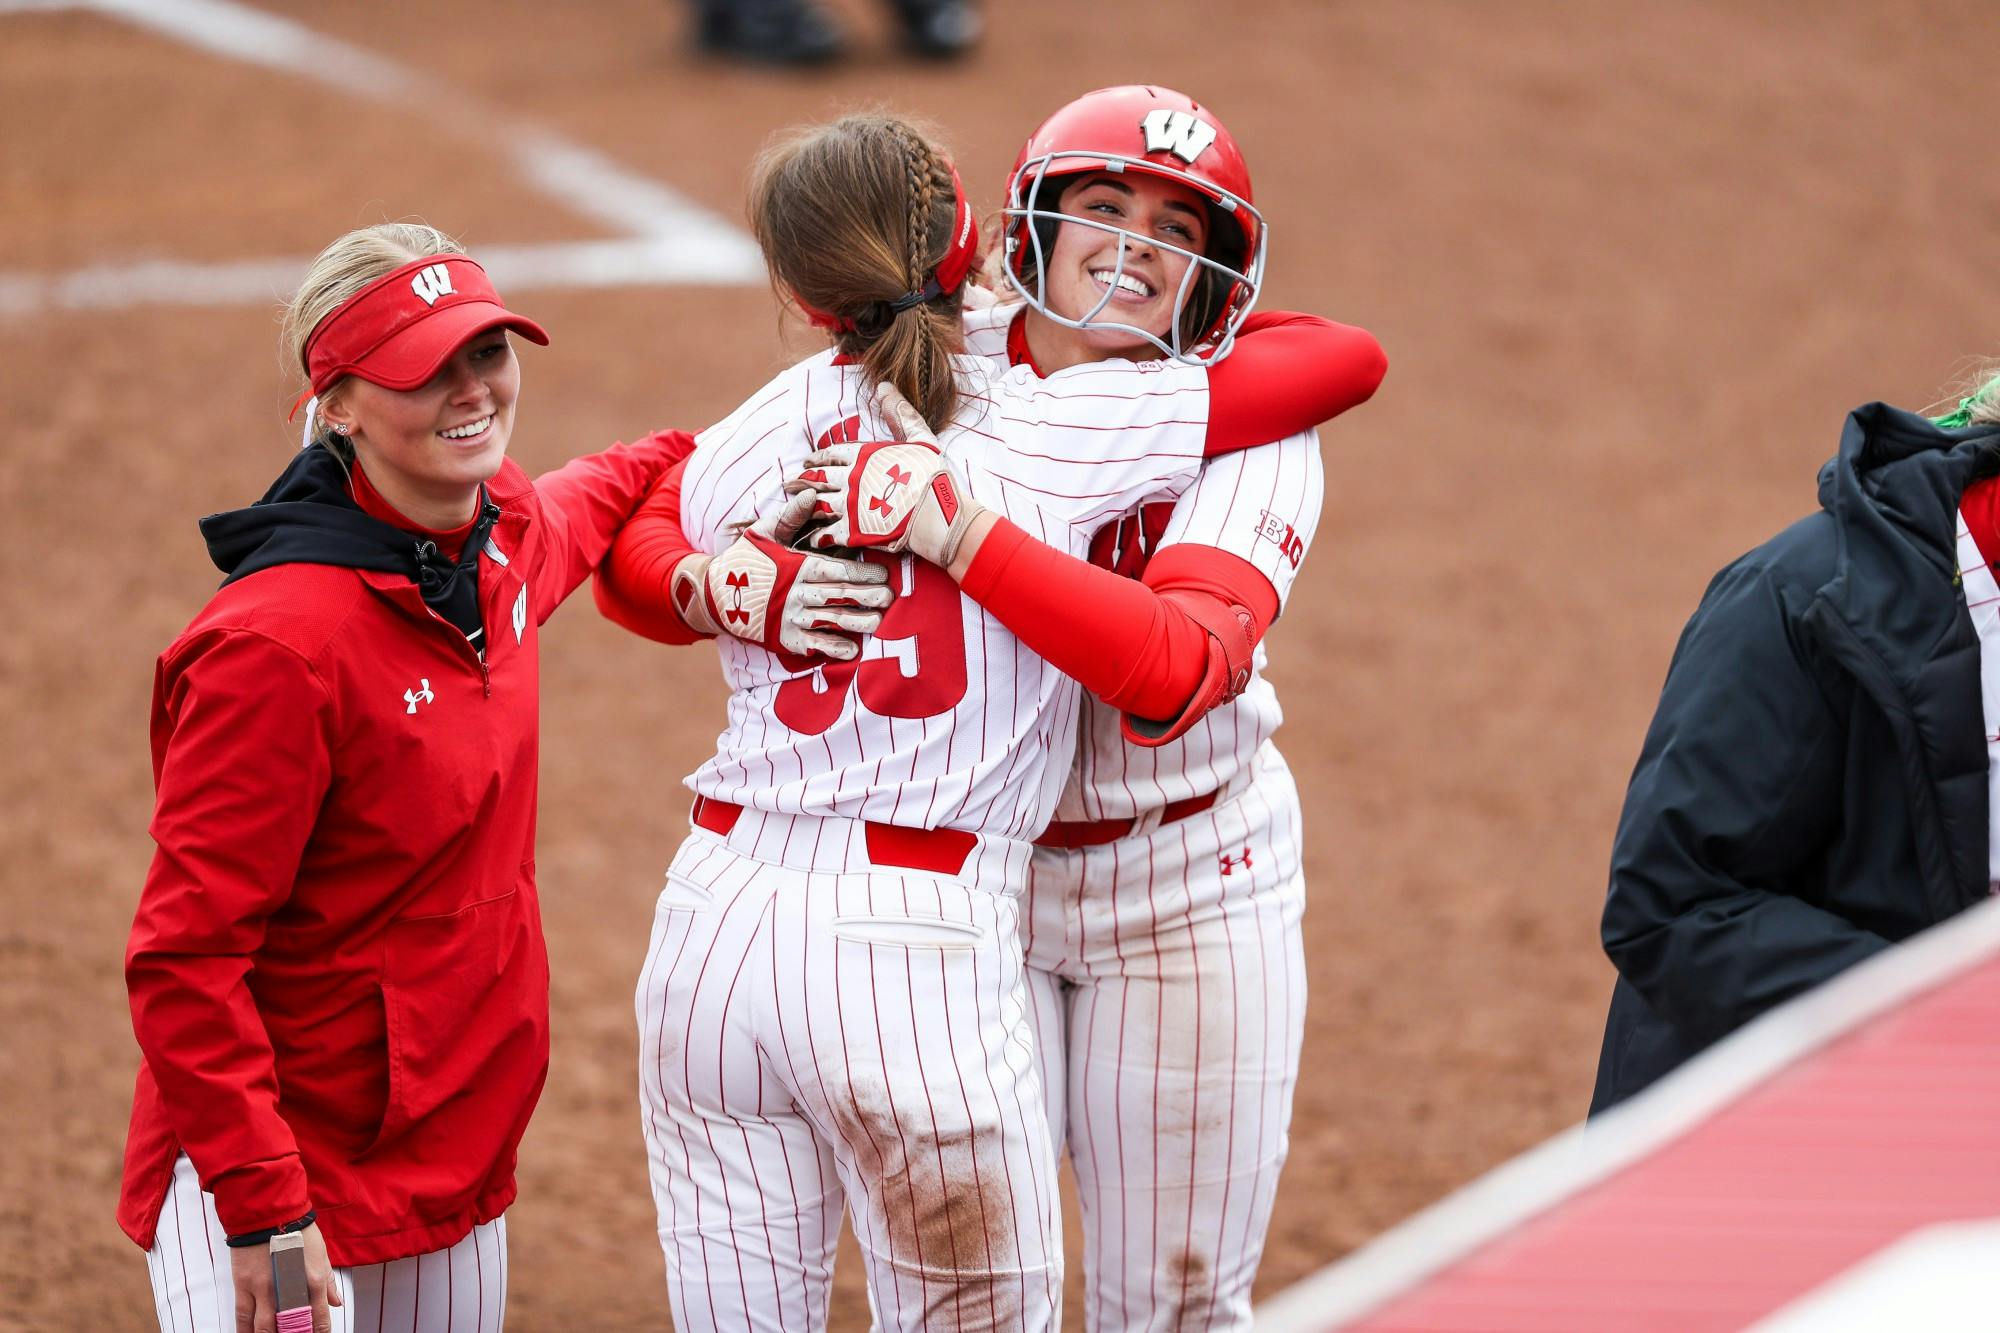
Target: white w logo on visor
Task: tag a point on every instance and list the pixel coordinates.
(1185, 136)
(435, 281)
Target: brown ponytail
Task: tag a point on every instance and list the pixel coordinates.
(852, 217)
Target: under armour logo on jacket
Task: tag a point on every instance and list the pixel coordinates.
(434, 281)
(1229, 863)
(420, 695)
(1184, 135)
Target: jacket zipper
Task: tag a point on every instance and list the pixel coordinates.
(485, 672)
(1943, 894)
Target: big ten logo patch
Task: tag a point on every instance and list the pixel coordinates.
(1126, 546)
(1271, 528)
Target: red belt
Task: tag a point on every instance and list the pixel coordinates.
(1076, 833)
(942, 851)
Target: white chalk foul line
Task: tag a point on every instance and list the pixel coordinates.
(617, 263)
(667, 238)
(257, 38)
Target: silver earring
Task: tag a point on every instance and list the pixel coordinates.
(342, 428)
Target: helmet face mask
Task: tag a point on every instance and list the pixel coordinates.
(1158, 133)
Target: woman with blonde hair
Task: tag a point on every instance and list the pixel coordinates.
(337, 973)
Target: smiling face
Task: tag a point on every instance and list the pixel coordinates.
(1147, 212)
(428, 449)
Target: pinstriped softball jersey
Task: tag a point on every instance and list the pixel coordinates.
(1166, 968)
(946, 720)
(1262, 505)
(819, 1026)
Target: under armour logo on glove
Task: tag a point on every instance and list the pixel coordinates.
(738, 584)
(761, 590)
(897, 477)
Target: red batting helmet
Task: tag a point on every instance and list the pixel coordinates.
(1165, 133)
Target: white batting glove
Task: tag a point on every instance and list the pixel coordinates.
(889, 495)
(758, 588)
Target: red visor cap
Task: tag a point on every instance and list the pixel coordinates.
(400, 328)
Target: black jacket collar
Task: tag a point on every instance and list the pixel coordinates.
(309, 517)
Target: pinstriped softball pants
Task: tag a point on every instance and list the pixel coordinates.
(1167, 976)
(462, 1289)
(812, 1037)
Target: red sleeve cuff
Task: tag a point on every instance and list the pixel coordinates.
(634, 584)
(259, 1195)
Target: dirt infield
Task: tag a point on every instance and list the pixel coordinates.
(1631, 269)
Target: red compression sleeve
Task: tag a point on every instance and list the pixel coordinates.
(1288, 373)
(1126, 642)
(633, 584)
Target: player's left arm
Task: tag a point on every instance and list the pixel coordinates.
(585, 502)
(1169, 648)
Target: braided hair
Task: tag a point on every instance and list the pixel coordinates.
(853, 218)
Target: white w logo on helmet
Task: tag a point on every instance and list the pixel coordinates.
(1185, 136)
(435, 281)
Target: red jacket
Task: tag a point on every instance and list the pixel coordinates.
(337, 972)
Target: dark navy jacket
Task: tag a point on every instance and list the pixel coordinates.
(1813, 787)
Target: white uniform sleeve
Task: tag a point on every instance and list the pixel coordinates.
(1089, 442)
(1262, 504)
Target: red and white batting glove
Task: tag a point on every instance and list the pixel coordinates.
(889, 495)
(760, 589)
